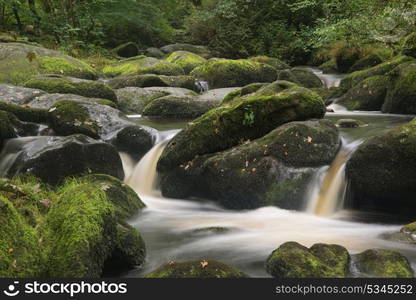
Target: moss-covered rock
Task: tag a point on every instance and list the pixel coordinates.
(154, 52)
(52, 159)
(200, 50)
(196, 269)
(409, 229)
(244, 91)
(346, 58)
(186, 60)
(20, 61)
(382, 171)
(272, 61)
(134, 140)
(409, 47)
(68, 85)
(26, 113)
(272, 170)
(127, 50)
(382, 263)
(144, 81)
(230, 73)
(301, 76)
(329, 67)
(7, 130)
(142, 65)
(369, 94)
(292, 260)
(366, 62)
(228, 125)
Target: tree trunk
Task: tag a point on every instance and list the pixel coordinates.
(35, 14)
(17, 17)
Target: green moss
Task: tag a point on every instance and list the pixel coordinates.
(346, 57)
(230, 73)
(144, 81)
(26, 114)
(292, 260)
(383, 264)
(272, 61)
(59, 65)
(6, 126)
(196, 269)
(409, 228)
(329, 67)
(62, 85)
(409, 47)
(366, 62)
(69, 117)
(244, 91)
(186, 60)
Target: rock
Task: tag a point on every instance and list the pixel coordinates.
(382, 171)
(292, 260)
(381, 263)
(134, 140)
(366, 62)
(409, 229)
(25, 113)
(226, 126)
(216, 96)
(350, 123)
(52, 159)
(329, 67)
(47, 101)
(354, 78)
(68, 85)
(142, 65)
(233, 73)
(401, 96)
(245, 91)
(368, 94)
(196, 269)
(127, 50)
(330, 110)
(272, 170)
(200, 50)
(186, 60)
(143, 81)
(346, 58)
(7, 130)
(7, 37)
(409, 47)
(272, 61)
(154, 52)
(18, 95)
(301, 76)
(20, 61)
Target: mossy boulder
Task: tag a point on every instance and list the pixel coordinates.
(134, 140)
(382, 170)
(346, 58)
(18, 95)
(200, 50)
(20, 61)
(127, 50)
(380, 263)
(7, 130)
(47, 101)
(329, 67)
(67, 85)
(226, 126)
(244, 91)
(233, 73)
(272, 61)
(366, 62)
(196, 269)
(52, 159)
(186, 60)
(142, 65)
(409, 46)
(292, 260)
(409, 229)
(369, 94)
(301, 76)
(154, 52)
(26, 113)
(401, 96)
(272, 170)
(144, 81)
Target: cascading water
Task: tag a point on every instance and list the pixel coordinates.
(329, 80)
(202, 86)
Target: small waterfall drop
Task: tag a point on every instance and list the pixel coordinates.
(202, 86)
(329, 80)
(327, 191)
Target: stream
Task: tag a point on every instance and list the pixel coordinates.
(183, 230)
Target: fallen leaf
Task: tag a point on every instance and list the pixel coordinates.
(308, 139)
(204, 263)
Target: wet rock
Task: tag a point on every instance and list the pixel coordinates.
(18, 95)
(134, 140)
(350, 123)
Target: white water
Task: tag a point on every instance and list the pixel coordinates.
(329, 80)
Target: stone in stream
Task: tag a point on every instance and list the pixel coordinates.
(224, 73)
(52, 159)
(380, 263)
(134, 140)
(302, 76)
(18, 95)
(382, 172)
(186, 60)
(272, 170)
(150, 80)
(20, 61)
(200, 50)
(272, 61)
(67, 85)
(292, 260)
(350, 123)
(196, 269)
(366, 62)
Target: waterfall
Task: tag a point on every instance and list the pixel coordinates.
(329, 80)
(327, 190)
(202, 86)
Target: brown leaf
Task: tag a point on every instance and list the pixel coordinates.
(308, 139)
(204, 263)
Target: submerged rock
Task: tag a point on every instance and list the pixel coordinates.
(196, 269)
(292, 260)
(382, 263)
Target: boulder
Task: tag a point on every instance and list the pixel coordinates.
(292, 260)
(382, 170)
(18, 95)
(196, 269)
(272, 61)
(272, 170)
(368, 94)
(301, 76)
(52, 159)
(346, 58)
(233, 73)
(154, 52)
(143, 81)
(366, 62)
(134, 140)
(380, 263)
(68, 85)
(7, 130)
(329, 67)
(26, 113)
(142, 65)
(127, 50)
(186, 60)
(226, 126)
(409, 47)
(20, 61)
(200, 50)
